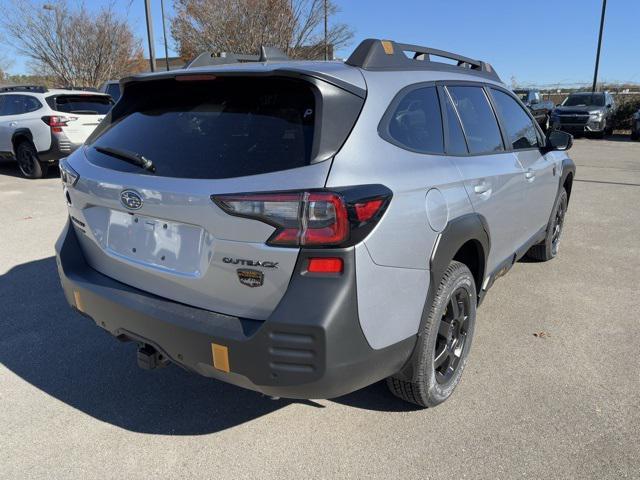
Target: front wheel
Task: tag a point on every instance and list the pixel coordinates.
(28, 161)
(444, 343)
(548, 248)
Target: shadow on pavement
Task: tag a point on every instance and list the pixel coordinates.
(65, 355)
(9, 168)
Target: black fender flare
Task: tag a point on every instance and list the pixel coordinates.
(21, 132)
(568, 168)
(469, 227)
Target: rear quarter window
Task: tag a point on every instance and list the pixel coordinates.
(414, 121)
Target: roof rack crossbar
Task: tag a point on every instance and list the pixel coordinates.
(24, 88)
(267, 54)
(375, 54)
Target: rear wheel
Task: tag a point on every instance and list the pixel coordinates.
(444, 344)
(28, 162)
(548, 248)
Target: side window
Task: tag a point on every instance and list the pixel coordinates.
(416, 122)
(19, 104)
(536, 96)
(479, 122)
(2, 97)
(456, 144)
(13, 105)
(521, 131)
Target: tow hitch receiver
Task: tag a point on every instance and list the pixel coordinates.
(149, 358)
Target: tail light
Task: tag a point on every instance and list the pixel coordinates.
(313, 218)
(56, 122)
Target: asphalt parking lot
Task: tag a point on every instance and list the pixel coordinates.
(563, 403)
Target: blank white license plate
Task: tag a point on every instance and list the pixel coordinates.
(155, 242)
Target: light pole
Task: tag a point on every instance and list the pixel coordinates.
(595, 73)
(326, 44)
(164, 34)
(152, 50)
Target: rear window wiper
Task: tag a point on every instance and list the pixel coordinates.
(129, 157)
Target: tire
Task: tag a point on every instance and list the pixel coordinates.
(548, 248)
(28, 162)
(444, 343)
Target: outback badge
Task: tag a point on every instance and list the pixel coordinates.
(250, 278)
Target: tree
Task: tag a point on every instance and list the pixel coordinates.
(5, 64)
(75, 47)
(242, 26)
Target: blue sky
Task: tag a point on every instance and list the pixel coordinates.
(535, 41)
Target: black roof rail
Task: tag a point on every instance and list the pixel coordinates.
(24, 88)
(267, 54)
(375, 54)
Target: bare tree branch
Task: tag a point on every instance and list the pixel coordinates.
(73, 46)
(242, 26)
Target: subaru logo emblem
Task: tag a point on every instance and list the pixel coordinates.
(131, 199)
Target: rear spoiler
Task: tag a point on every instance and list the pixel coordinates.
(267, 54)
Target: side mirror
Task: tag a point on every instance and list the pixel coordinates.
(609, 105)
(559, 140)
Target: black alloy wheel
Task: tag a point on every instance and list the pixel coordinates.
(452, 335)
(558, 222)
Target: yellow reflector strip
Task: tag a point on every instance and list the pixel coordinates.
(220, 357)
(78, 300)
(388, 47)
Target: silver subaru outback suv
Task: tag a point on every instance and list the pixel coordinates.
(305, 229)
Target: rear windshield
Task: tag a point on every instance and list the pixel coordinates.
(584, 99)
(81, 104)
(222, 128)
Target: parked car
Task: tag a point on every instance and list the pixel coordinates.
(586, 112)
(305, 229)
(39, 126)
(635, 126)
(540, 109)
(111, 87)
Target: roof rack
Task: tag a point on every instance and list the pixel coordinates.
(24, 88)
(267, 54)
(84, 89)
(375, 54)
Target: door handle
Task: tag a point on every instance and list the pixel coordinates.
(530, 175)
(482, 187)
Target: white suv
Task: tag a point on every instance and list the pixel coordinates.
(39, 126)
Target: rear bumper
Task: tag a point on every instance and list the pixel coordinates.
(61, 147)
(311, 346)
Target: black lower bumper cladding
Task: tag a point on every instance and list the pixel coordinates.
(311, 346)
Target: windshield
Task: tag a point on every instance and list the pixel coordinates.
(222, 128)
(81, 104)
(584, 100)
